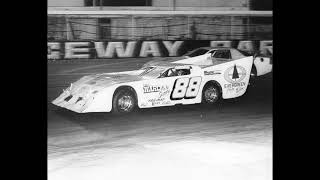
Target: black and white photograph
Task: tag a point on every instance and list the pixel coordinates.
(159, 89)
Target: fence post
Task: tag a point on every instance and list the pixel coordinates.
(100, 4)
(188, 26)
(249, 28)
(133, 25)
(231, 27)
(70, 33)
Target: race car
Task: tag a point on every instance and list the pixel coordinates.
(188, 81)
(262, 64)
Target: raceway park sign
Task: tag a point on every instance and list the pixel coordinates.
(128, 49)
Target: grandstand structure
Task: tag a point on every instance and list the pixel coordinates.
(157, 20)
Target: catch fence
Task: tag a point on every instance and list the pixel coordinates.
(106, 27)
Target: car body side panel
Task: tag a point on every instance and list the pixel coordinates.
(154, 92)
(158, 92)
(102, 101)
(233, 76)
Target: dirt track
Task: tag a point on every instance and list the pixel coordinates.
(231, 140)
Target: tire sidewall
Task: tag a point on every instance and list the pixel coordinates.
(117, 96)
(217, 90)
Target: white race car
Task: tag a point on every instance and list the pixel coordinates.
(187, 81)
(261, 64)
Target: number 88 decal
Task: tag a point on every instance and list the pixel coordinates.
(185, 88)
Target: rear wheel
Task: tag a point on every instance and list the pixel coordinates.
(124, 101)
(211, 94)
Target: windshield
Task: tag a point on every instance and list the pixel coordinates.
(245, 53)
(152, 72)
(196, 52)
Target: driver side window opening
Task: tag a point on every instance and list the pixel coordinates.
(197, 52)
(225, 54)
(175, 72)
(212, 52)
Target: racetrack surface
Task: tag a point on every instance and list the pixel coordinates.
(228, 141)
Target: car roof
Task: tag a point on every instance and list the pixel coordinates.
(210, 48)
(172, 65)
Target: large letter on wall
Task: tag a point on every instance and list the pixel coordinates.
(173, 48)
(71, 48)
(150, 47)
(53, 50)
(220, 43)
(266, 47)
(115, 47)
(246, 46)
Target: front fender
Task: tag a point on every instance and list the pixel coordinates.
(102, 101)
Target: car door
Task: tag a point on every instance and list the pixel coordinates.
(168, 89)
(156, 92)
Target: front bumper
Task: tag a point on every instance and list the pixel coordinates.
(74, 102)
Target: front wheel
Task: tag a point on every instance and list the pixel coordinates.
(124, 101)
(211, 94)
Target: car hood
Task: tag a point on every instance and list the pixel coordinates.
(100, 81)
(81, 93)
(170, 59)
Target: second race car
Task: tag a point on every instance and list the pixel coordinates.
(262, 64)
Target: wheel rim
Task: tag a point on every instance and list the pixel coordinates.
(211, 95)
(125, 103)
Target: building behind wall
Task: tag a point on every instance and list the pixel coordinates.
(168, 27)
(241, 4)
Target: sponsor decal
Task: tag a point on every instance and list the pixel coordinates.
(160, 96)
(143, 105)
(159, 101)
(239, 89)
(166, 103)
(206, 73)
(234, 75)
(127, 49)
(154, 88)
(233, 85)
(156, 101)
(164, 93)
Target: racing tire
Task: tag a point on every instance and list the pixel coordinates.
(211, 94)
(124, 101)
